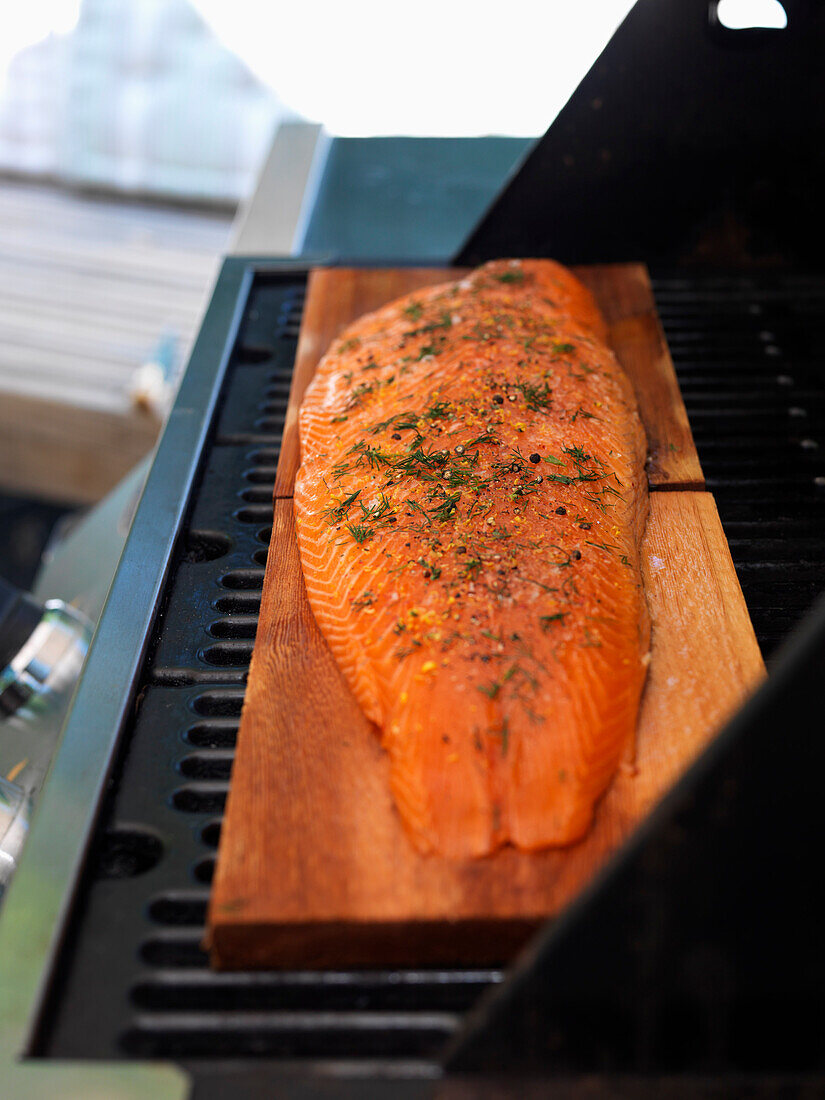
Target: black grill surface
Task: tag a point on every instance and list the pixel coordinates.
(133, 980)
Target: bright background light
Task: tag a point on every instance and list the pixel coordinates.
(23, 25)
(437, 67)
(737, 15)
(181, 97)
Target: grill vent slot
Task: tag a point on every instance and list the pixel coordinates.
(204, 869)
(235, 653)
(206, 797)
(258, 513)
(180, 908)
(241, 603)
(219, 704)
(243, 579)
(220, 733)
(239, 626)
(215, 764)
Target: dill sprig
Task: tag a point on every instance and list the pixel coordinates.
(381, 509)
(366, 599)
(360, 532)
(446, 508)
(445, 321)
(338, 511)
(374, 457)
(471, 568)
(359, 393)
(416, 507)
(427, 350)
(547, 621)
(425, 465)
(491, 690)
(487, 437)
(536, 397)
(438, 410)
(608, 547)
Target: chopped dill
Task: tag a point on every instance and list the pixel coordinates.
(339, 511)
(536, 397)
(547, 620)
(438, 411)
(446, 321)
(416, 507)
(359, 393)
(430, 569)
(360, 533)
(487, 437)
(428, 349)
(446, 508)
(366, 599)
(378, 510)
(608, 547)
(471, 568)
(373, 456)
(491, 690)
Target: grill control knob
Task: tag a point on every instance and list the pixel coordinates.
(42, 649)
(49, 658)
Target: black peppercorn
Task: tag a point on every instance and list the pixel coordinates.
(498, 399)
(577, 554)
(395, 435)
(561, 511)
(534, 457)
(585, 526)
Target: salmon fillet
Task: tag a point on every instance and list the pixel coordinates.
(469, 510)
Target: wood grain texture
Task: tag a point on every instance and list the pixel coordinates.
(64, 452)
(337, 296)
(314, 868)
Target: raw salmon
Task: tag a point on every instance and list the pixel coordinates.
(469, 510)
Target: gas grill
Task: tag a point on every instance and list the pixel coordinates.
(124, 847)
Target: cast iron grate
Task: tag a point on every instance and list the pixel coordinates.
(136, 981)
(750, 356)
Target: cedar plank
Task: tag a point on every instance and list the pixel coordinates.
(314, 867)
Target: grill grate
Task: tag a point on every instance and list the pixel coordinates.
(750, 357)
(135, 981)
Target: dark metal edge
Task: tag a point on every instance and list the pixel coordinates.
(40, 901)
